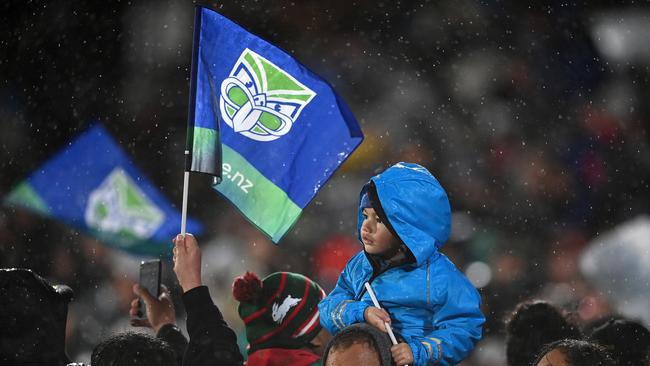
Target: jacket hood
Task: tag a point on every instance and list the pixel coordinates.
(416, 206)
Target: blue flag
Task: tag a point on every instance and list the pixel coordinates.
(92, 186)
(202, 146)
(284, 130)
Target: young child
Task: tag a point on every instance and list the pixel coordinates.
(404, 217)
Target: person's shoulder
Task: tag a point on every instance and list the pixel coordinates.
(357, 259)
(357, 266)
(446, 271)
(442, 265)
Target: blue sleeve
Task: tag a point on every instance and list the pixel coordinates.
(458, 325)
(339, 309)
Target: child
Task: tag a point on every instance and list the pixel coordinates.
(404, 217)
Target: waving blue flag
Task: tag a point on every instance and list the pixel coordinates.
(284, 130)
(92, 186)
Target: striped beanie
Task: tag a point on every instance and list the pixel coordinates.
(280, 311)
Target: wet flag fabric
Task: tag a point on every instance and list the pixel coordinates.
(284, 130)
(203, 144)
(92, 186)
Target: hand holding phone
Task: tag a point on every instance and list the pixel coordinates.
(153, 299)
(150, 280)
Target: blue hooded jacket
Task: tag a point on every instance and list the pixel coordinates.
(431, 304)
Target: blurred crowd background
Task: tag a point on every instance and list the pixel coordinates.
(533, 116)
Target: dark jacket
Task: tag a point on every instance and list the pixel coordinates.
(172, 335)
(212, 342)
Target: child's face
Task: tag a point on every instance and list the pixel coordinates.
(375, 235)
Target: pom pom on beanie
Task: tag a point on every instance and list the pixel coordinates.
(247, 288)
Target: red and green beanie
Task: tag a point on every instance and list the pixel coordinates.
(280, 311)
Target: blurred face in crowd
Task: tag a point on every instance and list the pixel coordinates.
(356, 354)
(318, 344)
(553, 358)
(375, 236)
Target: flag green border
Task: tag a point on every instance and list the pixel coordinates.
(265, 205)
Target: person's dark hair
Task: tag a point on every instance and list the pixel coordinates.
(362, 334)
(578, 353)
(33, 317)
(532, 325)
(628, 341)
(127, 349)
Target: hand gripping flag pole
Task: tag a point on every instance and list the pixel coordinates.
(389, 330)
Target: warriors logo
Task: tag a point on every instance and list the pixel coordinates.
(118, 206)
(260, 100)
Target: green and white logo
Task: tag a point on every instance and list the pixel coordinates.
(118, 206)
(260, 100)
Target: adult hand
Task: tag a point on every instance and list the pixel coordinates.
(402, 354)
(187, 261)
(376, 317)
(160, 311)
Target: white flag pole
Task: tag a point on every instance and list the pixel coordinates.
(189, 146)
(186, 185)
(374, 301)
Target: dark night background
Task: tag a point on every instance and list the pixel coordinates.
(534, 118)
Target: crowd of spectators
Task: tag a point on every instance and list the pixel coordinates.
(536, 129)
